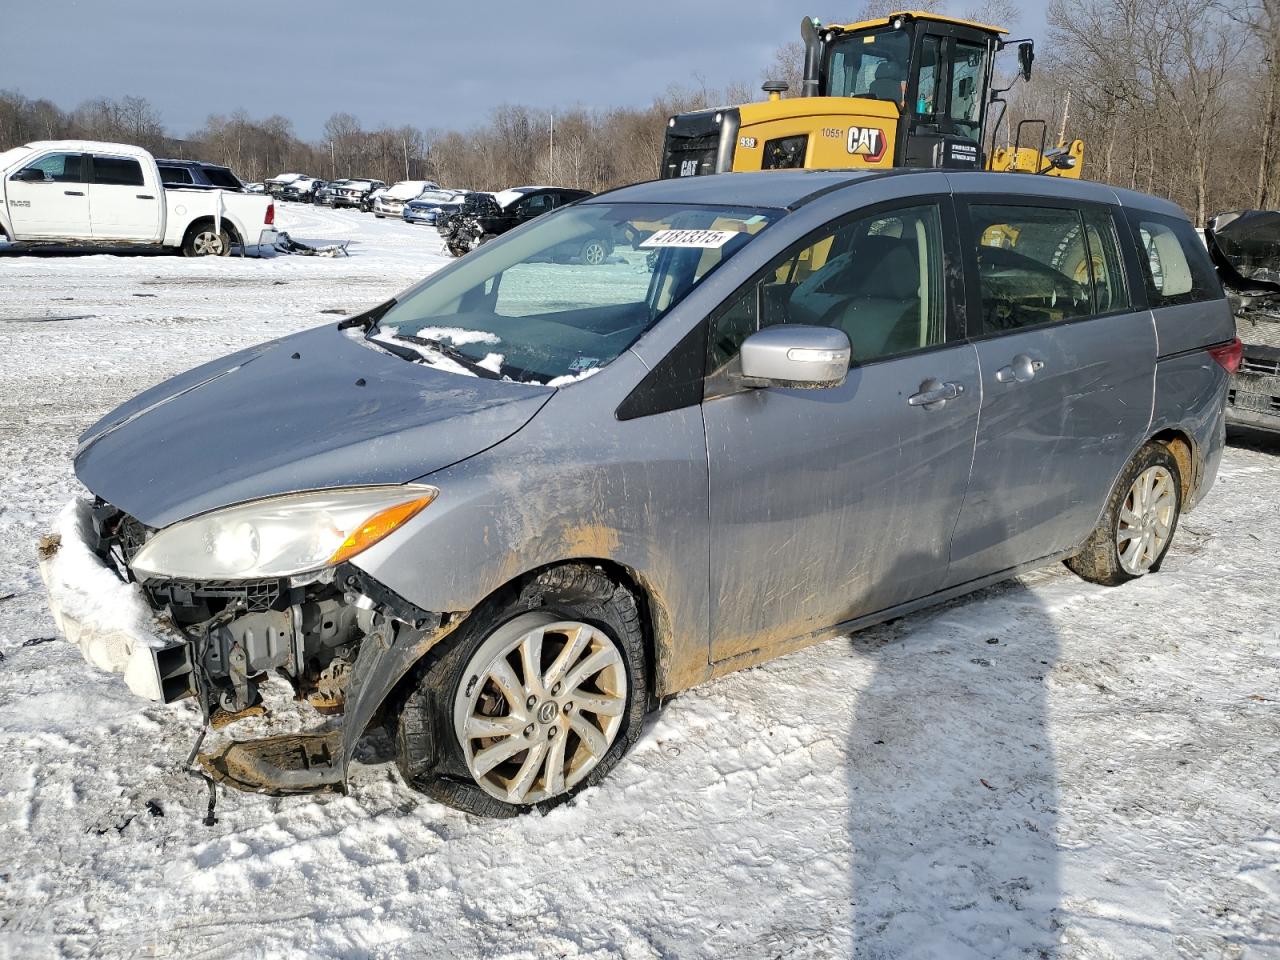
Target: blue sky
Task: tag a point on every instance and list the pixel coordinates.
(428, 63)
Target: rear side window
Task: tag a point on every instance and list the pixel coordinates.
(1034, 265)
(1109, 294)
(117, 171)
(222, 177)
(1175, 264)
(172, 175)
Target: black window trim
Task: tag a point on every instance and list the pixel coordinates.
(969, 256)
(952, 279)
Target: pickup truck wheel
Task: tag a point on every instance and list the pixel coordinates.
(204, 241)
(536, 697)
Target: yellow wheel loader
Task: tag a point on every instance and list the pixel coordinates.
(906, 90)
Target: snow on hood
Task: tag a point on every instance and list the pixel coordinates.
(407, 189)
(285, 178)
(507, 197)
(309, 411)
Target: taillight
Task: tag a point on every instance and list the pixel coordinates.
(1228, 355)
(271, 215)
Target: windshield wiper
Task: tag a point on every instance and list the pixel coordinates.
(367, 321)
(453, 353)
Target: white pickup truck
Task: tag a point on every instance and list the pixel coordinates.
(86, 194)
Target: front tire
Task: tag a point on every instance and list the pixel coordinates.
(594, 252)
(536, 698)
(1137, 526)
(203, 241)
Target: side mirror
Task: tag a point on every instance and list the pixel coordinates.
(1026, 56)
(30, 175)
(791, 355)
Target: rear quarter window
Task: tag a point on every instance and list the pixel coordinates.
(175, 175)
(1174, 262)
(222, 177)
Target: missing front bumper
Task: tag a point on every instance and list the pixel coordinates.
(292, 763)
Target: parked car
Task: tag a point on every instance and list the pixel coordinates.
(255, 188)
(275, 185)
(355, 193)
(301, 190)
(324, 196)
(512, 508)
(484, 216)
(85, 193)
(1245, 245)
(430, 204)
(390, 202)
(199, 175)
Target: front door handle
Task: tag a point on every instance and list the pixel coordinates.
(74, 193)
(1020, 369)
(934, 393)
(145, 196)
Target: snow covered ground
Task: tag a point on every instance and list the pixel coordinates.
(1047, 769)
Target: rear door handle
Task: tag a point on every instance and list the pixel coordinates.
(74, 193)
(1020, 369)
(145, 196)
(934, 393)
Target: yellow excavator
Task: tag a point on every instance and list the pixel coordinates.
(911, 89)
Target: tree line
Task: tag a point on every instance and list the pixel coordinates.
(1179, 98)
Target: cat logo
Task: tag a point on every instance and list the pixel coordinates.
(867, 142)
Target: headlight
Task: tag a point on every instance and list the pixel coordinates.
(280, 536)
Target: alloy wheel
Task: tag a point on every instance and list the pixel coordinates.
(539, 705)
(207, 243)
(1146, 520)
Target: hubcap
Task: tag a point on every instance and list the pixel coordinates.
(524, 743)
(1146, 520)
(594, 254)
(207, 243)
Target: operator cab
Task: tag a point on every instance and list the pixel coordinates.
(935, 70)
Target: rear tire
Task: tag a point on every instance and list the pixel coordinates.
(203, 241)
(454, 689)
(1138, 523)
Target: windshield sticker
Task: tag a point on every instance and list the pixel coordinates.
(698, 239)
(584, 363)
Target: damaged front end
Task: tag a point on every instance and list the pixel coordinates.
(1245, 247)
(338, 637)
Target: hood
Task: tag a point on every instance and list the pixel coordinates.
(260, 423)
(1245, 247)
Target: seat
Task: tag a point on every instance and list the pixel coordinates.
(887, 84)
(884, 316)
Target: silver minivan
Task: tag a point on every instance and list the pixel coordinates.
(507, 512)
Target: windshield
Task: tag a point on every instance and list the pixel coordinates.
(435, 196)
(562, 297)
(871, 64)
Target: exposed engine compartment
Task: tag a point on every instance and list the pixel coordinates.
(1245, 246)
(306, 629)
